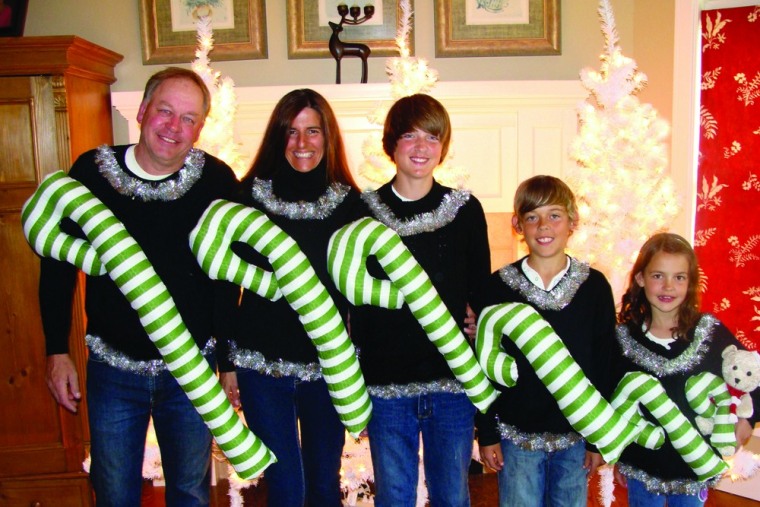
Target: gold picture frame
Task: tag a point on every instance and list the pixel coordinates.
(245, 39)
(537, 34)
(306, 39)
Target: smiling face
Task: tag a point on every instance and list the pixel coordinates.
(416, 155)
(665, 281)
(305, 141)
(546, 230)
(170, 123)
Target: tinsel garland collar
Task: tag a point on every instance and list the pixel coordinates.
(557, 298)
(428, 221)
(685, 357)
(169, 189)
(297, 195)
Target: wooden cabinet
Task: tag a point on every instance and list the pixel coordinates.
(54, 105)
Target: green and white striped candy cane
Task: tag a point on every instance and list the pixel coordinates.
(347, 255)
(225, 222)
(708, 396)
(580, 402)
(112, 250)
(631, 393)
(638, 387)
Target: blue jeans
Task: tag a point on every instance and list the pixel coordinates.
(307, 471)
(639, 496)
(446, 422)
(120, 405)
(538, 478)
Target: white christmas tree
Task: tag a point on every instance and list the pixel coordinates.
(622, 185)
(407, 75)
(217, 136)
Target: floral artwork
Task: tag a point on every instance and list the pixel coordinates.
(727, 235)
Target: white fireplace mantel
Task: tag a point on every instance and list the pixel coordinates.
(503, 131)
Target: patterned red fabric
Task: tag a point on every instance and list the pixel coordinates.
(727, 237)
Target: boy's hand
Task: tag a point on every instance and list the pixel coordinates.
(470, 323)
(492, 457)
(592, 461)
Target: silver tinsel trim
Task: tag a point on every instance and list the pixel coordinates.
(545, 442)
(165, 190)
(660, 366)
(396, 391)
(254, 360)
(301, 210)
(672, 487)
(119, 360)
(557, 298)
(424, 222)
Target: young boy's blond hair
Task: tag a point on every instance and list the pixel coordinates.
(543, 190)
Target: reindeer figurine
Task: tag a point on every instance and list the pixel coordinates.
(340, 49)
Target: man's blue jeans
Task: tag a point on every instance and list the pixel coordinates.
(639, 496)
(307, 471)
(446, 422)
(120, 405)
(538, 478)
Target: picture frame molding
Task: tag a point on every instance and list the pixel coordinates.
(447, 46)
(299, 47)
(253, 48)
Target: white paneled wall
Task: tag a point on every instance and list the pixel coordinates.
(503, 131)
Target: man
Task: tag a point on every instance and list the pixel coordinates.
(158, 189)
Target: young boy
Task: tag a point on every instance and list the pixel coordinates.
(524, 436)
(413, 390)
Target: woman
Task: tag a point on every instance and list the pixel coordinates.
(300, 179)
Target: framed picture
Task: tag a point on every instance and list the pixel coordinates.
(309, 33)
(12, 17)
(497, 27)
(169, 33)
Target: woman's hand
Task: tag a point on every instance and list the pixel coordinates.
(230, 385)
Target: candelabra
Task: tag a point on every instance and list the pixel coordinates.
(338, 48)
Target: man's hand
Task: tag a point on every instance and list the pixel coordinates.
(63, 381)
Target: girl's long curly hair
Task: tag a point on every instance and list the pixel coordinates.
(637, 310)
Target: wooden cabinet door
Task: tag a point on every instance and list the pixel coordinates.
(36, 436)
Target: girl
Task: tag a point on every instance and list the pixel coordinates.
(662, 333)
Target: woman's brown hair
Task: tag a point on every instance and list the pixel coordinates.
(273, 143)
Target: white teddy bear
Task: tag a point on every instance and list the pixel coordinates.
(741, 372)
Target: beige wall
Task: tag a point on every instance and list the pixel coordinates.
(115, 25)
(645, 29)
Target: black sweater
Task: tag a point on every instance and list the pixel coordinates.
(161, 228)
(586, 326)
(272, 328)
(701, 353)
(394, 347)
